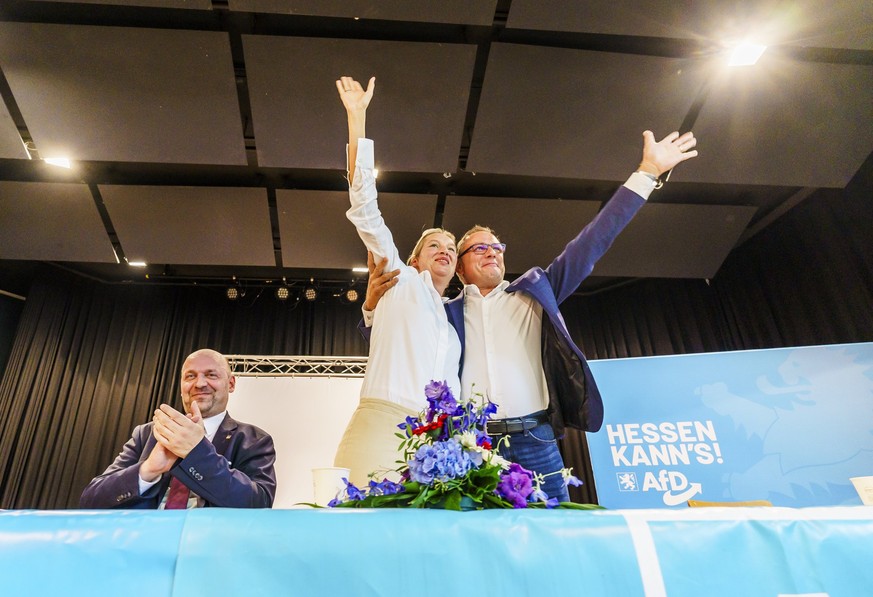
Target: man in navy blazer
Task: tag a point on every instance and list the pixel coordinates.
(223, 462)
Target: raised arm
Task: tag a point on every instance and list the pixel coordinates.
(355, 100)
(364, 209)
(580, 255)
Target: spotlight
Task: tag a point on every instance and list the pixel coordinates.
(232, 293)
(282, 293)
(746, 54)
(352, 295)
(310, 293)
(62, 162)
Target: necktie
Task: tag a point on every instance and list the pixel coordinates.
(177, 496)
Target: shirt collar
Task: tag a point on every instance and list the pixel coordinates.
(473, 290)
(211, 424)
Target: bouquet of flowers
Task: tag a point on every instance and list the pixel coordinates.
(450, 463)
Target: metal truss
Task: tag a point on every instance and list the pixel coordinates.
(301, 366)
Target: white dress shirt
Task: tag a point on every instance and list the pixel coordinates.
(411, 342)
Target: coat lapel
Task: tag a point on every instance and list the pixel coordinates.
(225, 432)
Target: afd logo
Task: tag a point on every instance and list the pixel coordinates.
(627, 481)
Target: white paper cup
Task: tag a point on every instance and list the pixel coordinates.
(864, 487)
(327, 482)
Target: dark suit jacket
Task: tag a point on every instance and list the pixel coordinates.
(235, 470)
(574, 400)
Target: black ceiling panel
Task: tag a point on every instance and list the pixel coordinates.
(809, 23)
(462, 12)
(191, 225)
(416, 115)
(777, 123)
(125, 94)
(575, 113)
(10, 141)
(316, 234)
(195, 4)
(658, 241)
(51, 222)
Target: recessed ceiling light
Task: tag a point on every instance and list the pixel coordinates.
(746, 54)
(62, 162)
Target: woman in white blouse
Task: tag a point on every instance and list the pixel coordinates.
(411, 342)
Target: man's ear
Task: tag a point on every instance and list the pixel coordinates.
(459, 269)
(231, 384)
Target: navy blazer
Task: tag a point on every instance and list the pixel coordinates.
(235, 470)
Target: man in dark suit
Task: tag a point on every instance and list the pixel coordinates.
(200, 458)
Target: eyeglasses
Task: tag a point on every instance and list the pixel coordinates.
(482, 248)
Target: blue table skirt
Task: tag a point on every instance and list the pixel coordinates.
(651, 553)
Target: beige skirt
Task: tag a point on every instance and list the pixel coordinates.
(369, 444)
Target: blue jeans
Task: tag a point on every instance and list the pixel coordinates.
(537, 450)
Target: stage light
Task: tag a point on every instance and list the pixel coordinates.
(746, 54)
(232, 293)
(310, 293)
(282, 293)
(61, 162)
(352, 295)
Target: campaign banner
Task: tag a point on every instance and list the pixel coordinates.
(789, 425)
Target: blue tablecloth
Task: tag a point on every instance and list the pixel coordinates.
(702, 551)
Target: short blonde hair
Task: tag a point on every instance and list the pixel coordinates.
(416, 251)
(471, 232)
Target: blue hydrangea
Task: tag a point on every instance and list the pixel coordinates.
(440, 461)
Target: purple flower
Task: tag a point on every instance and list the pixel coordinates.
(486, 411)
(569, 479)
(353, 492)
(538, 495)
(435, 389)
(515, 485)
(410, 425)
(439, 399)
(552, 503)
(483, 438)
(386, 487)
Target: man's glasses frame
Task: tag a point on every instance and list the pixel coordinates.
(482, 248)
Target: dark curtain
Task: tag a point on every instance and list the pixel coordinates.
(10, 313)
(91, 360)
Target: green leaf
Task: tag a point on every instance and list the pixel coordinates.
(453, 501)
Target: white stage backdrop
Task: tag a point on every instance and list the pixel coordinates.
(306, 417)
